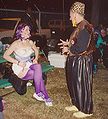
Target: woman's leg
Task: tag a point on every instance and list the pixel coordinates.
(35, 73)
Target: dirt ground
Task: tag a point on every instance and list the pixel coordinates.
(25, 107)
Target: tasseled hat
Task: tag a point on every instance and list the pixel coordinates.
(78, 7)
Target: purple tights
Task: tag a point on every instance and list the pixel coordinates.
(35, 73)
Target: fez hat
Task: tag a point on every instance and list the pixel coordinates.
(78, 7)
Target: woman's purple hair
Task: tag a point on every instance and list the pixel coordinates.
(18, 31)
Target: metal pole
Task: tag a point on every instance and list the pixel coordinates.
(39, 22)
(63, 10)
(39, 18)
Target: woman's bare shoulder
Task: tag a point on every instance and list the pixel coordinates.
(31, 42)
(15, 43)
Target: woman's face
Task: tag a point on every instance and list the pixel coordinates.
(25, 32)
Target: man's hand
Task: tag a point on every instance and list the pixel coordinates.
(63, 43)
(65, 50)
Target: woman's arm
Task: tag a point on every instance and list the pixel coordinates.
(9, 51)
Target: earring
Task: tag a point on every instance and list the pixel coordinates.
(74, 22)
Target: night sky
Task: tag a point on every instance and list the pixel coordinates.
(43, 5)
(56, 6)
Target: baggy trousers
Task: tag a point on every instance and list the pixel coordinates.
(79, 82)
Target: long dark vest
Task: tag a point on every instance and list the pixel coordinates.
(79, 71)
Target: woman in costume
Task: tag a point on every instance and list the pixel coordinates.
(79, 50)
(23, 66)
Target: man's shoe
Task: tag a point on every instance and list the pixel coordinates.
(81, 114)
(72, 108)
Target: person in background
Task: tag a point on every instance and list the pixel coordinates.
(105, 47)
(98, 53)
(30, 20)
(78, 68)
(1, 46)
(23, 66)
(1, 108)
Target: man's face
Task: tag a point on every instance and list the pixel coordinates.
(72, 17)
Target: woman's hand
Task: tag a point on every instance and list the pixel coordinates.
(22, 64)
(35, 61)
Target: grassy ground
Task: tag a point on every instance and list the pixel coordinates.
(25, 107)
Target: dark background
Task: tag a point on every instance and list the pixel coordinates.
(60, 6)
(43, 5)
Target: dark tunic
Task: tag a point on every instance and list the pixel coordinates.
(79, 74)
(82, 42)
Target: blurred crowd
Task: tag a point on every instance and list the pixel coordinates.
(101, 42)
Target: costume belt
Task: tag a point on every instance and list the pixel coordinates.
(85, 53)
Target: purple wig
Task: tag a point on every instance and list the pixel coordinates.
(19, 30)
